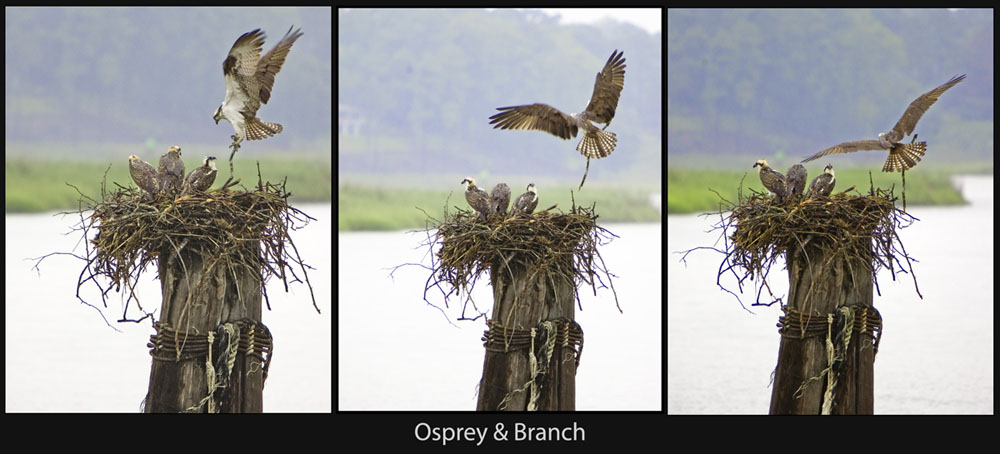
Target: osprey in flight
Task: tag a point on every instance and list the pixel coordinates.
(249, 79)
(596, 143)
(901, 156)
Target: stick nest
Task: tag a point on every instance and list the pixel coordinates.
(553, 246)
(228, 228)
(847, 227)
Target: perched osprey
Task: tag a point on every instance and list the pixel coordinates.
(795, 180)
(201, 178)
(477, 198)
(596, 143)
(527, 202)
(249, 79)
(773, 180)
(823, 184)
(170, 174)
(901, 156)
(500, 198)
(143, 174)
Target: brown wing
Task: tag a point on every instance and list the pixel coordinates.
(905, 125)
(847, 147)
(271, 62)
(540, 117)
(607, 87)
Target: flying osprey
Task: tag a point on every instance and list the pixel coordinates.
(143, 174)
(170, 175)
(527, 202)
(823, 184)
(500, 198)
(249, 79)
(477, 198)
(901, 156)
(596, 143)
(201, 178)
(773, 180)
(795, 180)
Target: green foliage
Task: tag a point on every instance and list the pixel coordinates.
(38, 185)
(690, 191)
(378, 208)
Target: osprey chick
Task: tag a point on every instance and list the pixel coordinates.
(143, 174)
(527, 202)
(823, 184)
(477, 198)
(795, 180)
(500, 198)
(249, 80)
(201, 178)
(170, 175)
(773, 180)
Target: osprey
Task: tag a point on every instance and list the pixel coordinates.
(901, 156)
(143, 174)
(823, 184)
(773, 180)
(170, 175)
(249, 79)
(500, 198)
(527, 202)
(596, 143)
(477, 198)
(201, 178)
(795, 180)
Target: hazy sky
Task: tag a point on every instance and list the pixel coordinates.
(649, 19)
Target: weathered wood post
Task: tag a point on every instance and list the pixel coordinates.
(531, 355)
(208, 309)
(829, 305)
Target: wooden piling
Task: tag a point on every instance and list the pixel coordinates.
(200, 296)
(531, 346)
(829, 305)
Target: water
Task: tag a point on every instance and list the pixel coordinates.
(398, 353)
(60, 356)
(937, 353)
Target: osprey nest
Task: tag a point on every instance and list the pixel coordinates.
(847, 227)
(227, 228)
(553, 246)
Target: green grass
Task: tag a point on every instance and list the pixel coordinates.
(691, 191)
(374, 208)
(38, 185)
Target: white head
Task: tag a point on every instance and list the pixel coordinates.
(828, 169)
(210, 162)
(531, 188)
(762, 163)
(218, 114)
(132, 158)
(175, 148)
(469, 181)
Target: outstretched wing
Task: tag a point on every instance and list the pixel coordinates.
(607, 87)
(239, 68)
(905, 125)
(271, 62)
(847, 147)
(540, 117)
